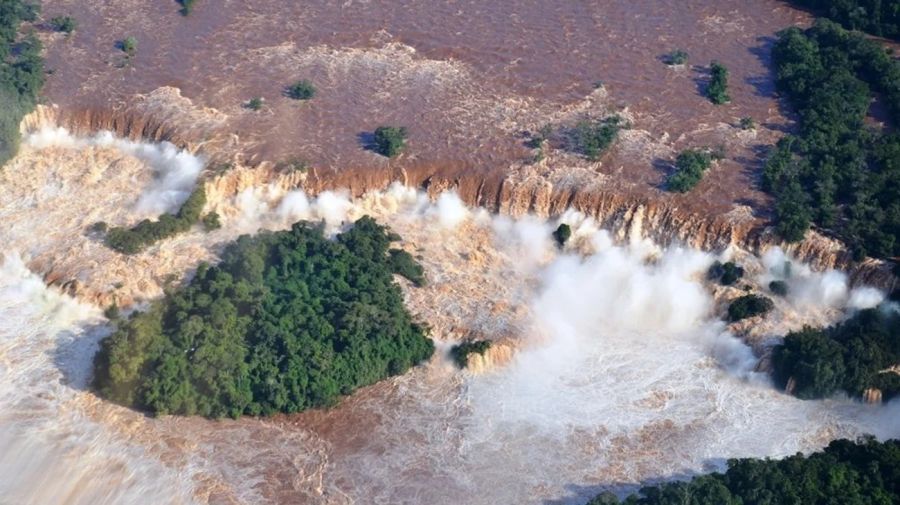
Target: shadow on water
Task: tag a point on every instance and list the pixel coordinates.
(577, 494)
(366, 140)
(764, 85)
(665, 167)
(701, 78)
(74, 355)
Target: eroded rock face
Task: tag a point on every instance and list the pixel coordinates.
(872, 396)
(626, 215)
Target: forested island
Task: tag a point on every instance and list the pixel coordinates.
(847, 473)
(852, 356)
(21, 72)
(878, 17)
(837, 171)
(286, 321)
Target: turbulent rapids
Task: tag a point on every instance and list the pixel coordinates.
(611, 366)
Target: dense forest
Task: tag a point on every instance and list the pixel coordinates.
(846, 473)
(847, 357)
(287, 321)
(21, 73)
(878, 17)
(836, 171)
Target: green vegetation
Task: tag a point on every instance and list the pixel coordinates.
(878, 17)
(847, 357)
(402, 263)
(725, 274)
(562, 234)
(301, 90)
(99, 227)
(835, 171)
(63, 24)
(690, 166)
(748, 306)
(593, 138)
(112, 312)
(846, 472)
(186, 6)
(676, 57)
(287, 321)
(21, 73)
(128, 45)
(717, 92)
(779, 288)
(147, 232)
(460, 353)
(255, 103)
(390, 140)
(211, 221)
(747, 123)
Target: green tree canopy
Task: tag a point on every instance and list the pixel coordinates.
(286, 321)
(864, 472)
(836, 171)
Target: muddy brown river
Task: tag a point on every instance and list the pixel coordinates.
(618, 370)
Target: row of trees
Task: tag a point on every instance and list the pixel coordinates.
(848, 473)
(836, 171)
(21, 72)
(848, 357)
(146, 233)
(287, 321)
(878, 17)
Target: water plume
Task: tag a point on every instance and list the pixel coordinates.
(52, 451)
(175, 171)
(809, 289)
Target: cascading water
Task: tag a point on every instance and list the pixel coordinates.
(622, 372)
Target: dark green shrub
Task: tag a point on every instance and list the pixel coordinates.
(186, 6)
(287, 321)
(717, 92)
(112, 312)
(749, 306)
(676, 57)
(402, 263)
(747, 123)
(99, 227)
(593, 138)
(64, 24)
(725, 273)
(562, 234)
(301, 90)
(861, 472)
(255, 103)
(390, 140)
(211, 221)
(129, 45)
(690, 166)
(460, 353)
(779, 288)
(847, 357)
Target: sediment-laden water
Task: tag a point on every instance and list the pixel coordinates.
(619, 369)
